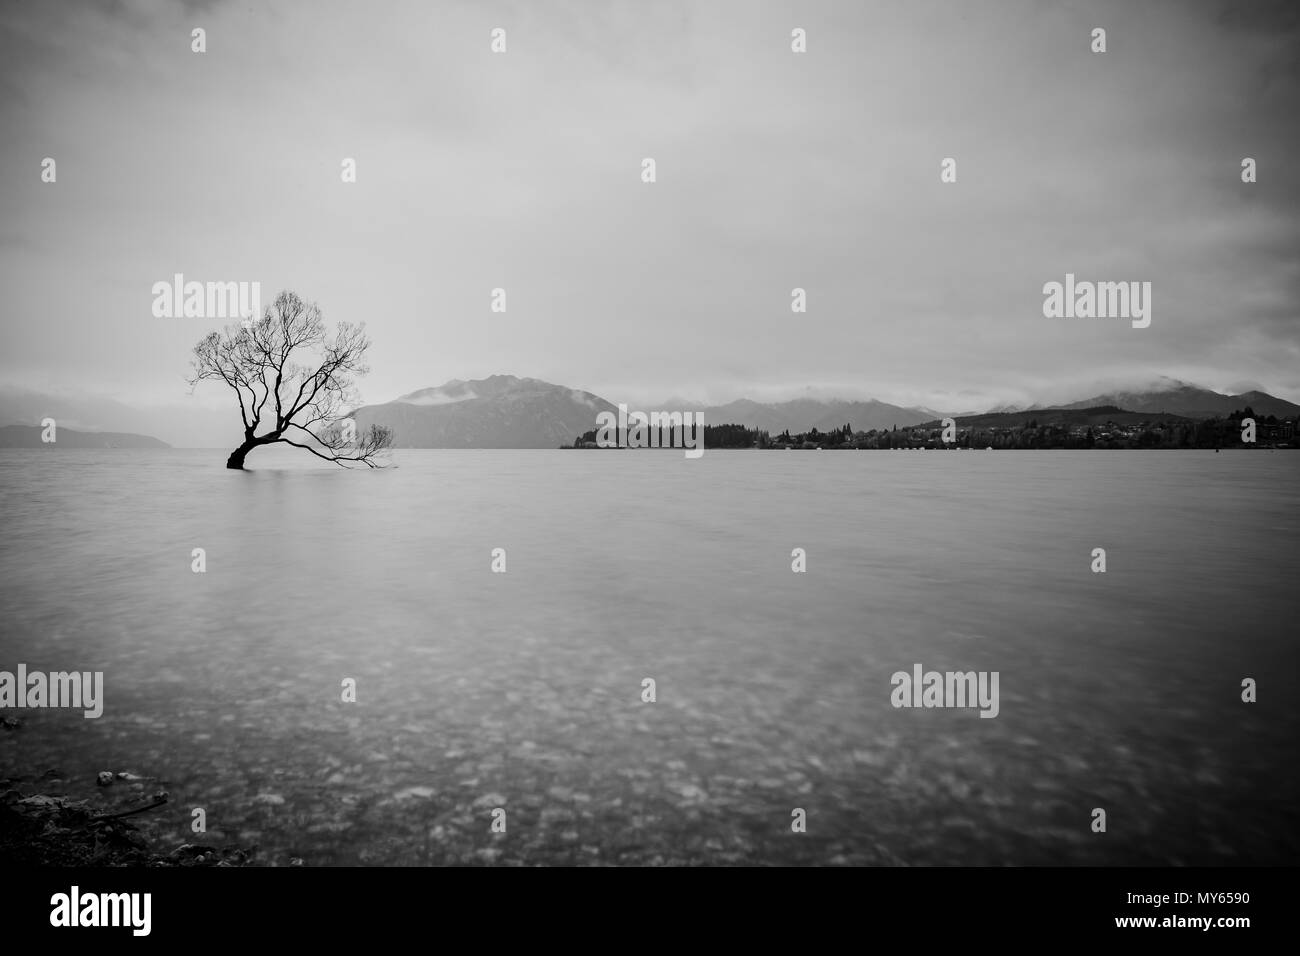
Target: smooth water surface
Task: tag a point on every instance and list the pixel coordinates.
(522, 690)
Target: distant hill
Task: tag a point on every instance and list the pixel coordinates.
(1191, 401)
(185, 423)
(1097, 415)
(801, 414)
(29, 436)
(502, 411)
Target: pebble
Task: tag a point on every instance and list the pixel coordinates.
(423, 793)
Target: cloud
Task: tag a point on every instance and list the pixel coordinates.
(776, 170)
(435, 396)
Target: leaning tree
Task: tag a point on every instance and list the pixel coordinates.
(284, 358)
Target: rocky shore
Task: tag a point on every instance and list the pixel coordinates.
(46, 829)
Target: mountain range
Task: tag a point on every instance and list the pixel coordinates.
(505, 411)
(508, 412)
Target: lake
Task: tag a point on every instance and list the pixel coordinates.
(523, 690)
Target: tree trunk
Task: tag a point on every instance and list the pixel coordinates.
(236, 459)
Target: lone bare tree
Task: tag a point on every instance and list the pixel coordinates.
(261, 360)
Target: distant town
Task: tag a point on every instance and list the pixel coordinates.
(1105, 426)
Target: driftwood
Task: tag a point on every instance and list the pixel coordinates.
(45, 830)
(159, 799)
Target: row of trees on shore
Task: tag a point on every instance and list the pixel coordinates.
(1161, 432)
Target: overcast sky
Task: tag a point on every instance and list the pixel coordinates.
(775, 170)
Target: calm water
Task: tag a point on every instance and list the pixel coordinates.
(523, 690)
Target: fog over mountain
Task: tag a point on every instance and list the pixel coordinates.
(502, 411)
(1190, 401)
